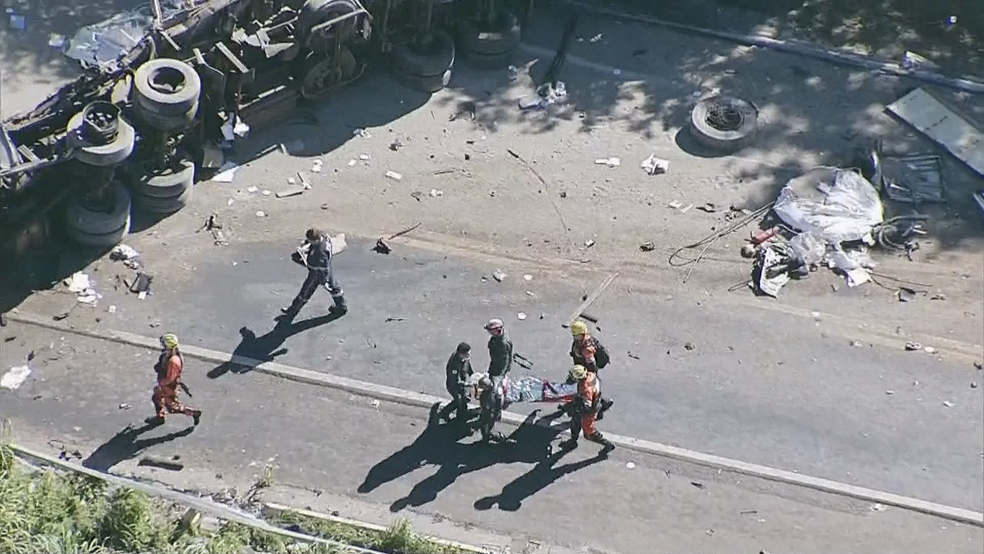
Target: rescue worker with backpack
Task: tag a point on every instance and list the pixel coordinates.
(169, 366)
(588, 351)
(587, 405)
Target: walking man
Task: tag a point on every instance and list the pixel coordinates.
(588, 351)
(169, 367)
(587, 404)
(500, 351)
(315, 254)
(458, 370)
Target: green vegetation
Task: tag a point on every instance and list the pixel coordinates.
(56, 513)
(398, 539)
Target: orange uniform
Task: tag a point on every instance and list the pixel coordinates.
(589, 395)
(166, 392)
(583, 353)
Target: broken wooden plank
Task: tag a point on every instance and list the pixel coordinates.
(590, 299)
(932, 118)
(289, 193)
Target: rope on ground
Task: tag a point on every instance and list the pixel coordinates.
(709, 240)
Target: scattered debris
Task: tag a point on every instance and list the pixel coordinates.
(546, 95)
(590, 317)
(261, 213)
(396, 144)
(365, 157)
(929, 350)
(938, 296)
(748, 251)
(878, 507)
(708, 207)
(154, 461)
(906, 294)
(360, 132)
(690, 346)
(15, 377)
(630, 465)
(770, 272)
(911, 179)
(3, 319)
(857, 343)
(304, 182)
(374, 403)
(382, 248)
(266, 192)
(78, 282)
(394, 175)
(648, 246)
(141, 283)
(654, 165)
(212, 225)
(912, 346)
(521, 316)
(435, 193)
(527, 277)
(589, 243)
(610, 162)
(590, 299)
(317, 166)
(289, 193)
(931, 117)
(125, 254)
(890, 392)
(677, 205)
(973, 384)
(498, 275)
(352, 162)
(394, 319)
(226, 173)
(911, 60)
(697, 484)
(948, 404)
(125, 406)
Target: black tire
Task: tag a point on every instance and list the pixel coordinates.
(488, 61)
(169, 183)
(436, 61)
(147, 91)
(100, 155)
(742, 118)
(314, 12)
(162, 206)
(102, 240)
(430, 84)
(502, 36)
(83, 220)
(348, 66)
(165, 122)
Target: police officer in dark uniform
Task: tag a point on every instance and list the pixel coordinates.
(315, 254)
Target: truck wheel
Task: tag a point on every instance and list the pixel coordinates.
(101, 155)
(499, 37)
(92, 225)
(166, 122)
(321, 76)
(166, 86)
(426, 63)
(724, 123)
(314, 12)
(165, 191)
(487, 61)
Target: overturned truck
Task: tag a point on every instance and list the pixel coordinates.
(134, 131)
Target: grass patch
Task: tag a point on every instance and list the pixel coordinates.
(399, 538)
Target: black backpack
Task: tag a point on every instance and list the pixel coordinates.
(601, 354)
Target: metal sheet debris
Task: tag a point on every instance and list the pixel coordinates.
(655, 166)
(928, 115)
(913, 179)
(226, 173)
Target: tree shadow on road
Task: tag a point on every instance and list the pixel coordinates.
(439, 445)
(125, 446)
(254, 350)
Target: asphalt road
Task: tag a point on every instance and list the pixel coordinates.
(759, 385)
(330, 450)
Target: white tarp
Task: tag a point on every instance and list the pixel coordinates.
(847, 208)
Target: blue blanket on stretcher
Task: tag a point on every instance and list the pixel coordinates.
(534, 389)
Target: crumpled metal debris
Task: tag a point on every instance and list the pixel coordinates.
(15, 377)
(103, 44)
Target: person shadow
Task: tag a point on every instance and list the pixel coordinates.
(440, 445)
(254, 350)
(125, 445)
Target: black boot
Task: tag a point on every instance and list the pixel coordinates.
(605, 405)
(340, 308)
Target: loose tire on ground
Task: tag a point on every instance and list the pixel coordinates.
(100, 154)
(88, 226)
(439, 57)
(166, 86)
(739, 118)
(502, 36)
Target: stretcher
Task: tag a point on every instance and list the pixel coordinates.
(527, 388)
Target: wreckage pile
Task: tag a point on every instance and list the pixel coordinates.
(827, 216)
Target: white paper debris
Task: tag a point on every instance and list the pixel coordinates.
(229, 202)
(89, 297)
(226, 173)
(252, 189)
(365, 157)
(78, 282)
(521, 316)
(260, 214)
(112, 309)
(316, 166)
(610, 162)
(15, 377)
(654, 165)
(291, 180)
(241, 129)
(630, 465)
(352, 162)
(527, 277)
(124, 252)
(360, 132)
(266, 192)
(435, 193)
(142, 295)
(394, 175)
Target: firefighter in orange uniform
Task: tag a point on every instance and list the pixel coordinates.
(168, 368)
(586, 407)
